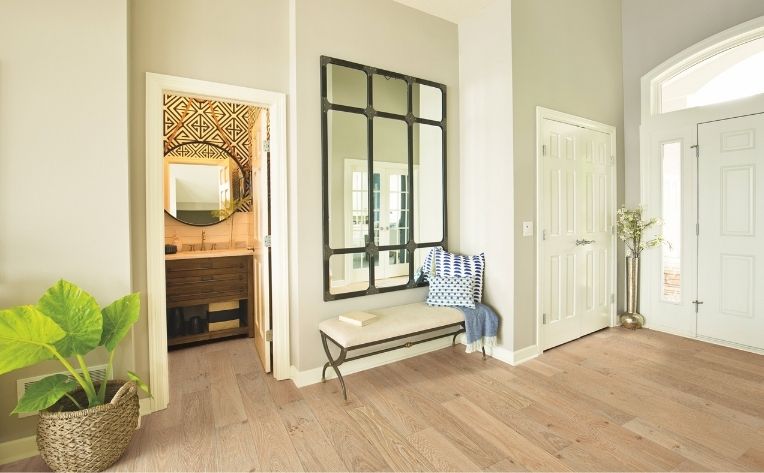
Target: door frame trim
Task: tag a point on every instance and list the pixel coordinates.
(542, 114)
(156, 86)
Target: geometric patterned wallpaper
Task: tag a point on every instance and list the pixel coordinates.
(226, 124)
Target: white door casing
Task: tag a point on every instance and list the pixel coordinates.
(731, 231)
(576, 245)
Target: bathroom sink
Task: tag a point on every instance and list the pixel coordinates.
(208, 254)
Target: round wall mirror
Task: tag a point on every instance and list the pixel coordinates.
(203, 183)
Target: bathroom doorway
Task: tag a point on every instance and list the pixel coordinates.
(216, 196)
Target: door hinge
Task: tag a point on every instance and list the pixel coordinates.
(543, 150)
(543, 318)
(269, 335)
(697, 229)
(612, 298)
(267, 146)
(267, 241)
(612, 159)
(697, 150)
(543, 235)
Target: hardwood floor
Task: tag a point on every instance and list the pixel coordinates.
(616, 400)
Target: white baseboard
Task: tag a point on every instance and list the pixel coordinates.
(312, 376)
(19, 449)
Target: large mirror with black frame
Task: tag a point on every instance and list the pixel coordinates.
(384, 175)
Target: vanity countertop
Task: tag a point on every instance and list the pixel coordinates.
(209, 254)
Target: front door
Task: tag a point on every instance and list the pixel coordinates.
(576, 212)
(730, 231)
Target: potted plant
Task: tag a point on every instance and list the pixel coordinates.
(84, 425)
(632, 229)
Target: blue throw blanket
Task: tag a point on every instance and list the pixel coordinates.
(481, 324)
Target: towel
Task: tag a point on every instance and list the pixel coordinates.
(481, 324)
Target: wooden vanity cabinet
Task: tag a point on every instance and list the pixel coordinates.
(201, 281)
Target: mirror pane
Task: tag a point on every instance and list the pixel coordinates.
(348, 180)
(420, 254)
(392, 268)
(428, 183)
(348, 273)
(427, 102)
(203, 184)
(391, 193)
(345, 86)
(390, 94)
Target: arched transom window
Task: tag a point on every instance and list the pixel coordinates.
(733, 71)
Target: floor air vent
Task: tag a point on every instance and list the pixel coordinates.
(97, 373)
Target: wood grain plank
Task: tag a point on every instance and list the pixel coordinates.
(236, 448)
(441, 453)
(398, 453)
(313, 448)
(227, 407)
(515, 446)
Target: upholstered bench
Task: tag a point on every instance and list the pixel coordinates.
(391, 324)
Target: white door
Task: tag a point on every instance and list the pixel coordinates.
(576, 212)
(262, 268)
(731, 230)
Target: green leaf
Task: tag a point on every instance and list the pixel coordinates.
(25, 335)
(118, 317)
(45, 393)
(77, 313)
(139, 382)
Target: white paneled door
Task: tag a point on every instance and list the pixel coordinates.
(731, 225)
(576, 220)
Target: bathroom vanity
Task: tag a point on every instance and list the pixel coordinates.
(210, 295)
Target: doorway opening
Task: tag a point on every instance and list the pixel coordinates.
(216, 198)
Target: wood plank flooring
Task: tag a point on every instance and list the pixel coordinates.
(616, 400)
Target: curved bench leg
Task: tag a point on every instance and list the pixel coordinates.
(334, 364)
(483, 352)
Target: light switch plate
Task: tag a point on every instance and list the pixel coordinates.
(527, 228)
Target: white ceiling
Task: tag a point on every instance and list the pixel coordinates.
(451, 10)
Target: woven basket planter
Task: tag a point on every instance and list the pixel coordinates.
(90, 439)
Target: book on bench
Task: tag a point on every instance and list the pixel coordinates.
(358, 318)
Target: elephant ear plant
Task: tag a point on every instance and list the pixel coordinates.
(67, 323)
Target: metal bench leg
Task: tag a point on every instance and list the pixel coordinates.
(462, 330)
(483, 348)
(334, 364)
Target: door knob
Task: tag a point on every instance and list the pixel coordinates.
(584, 242)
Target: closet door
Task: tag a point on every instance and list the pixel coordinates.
(576, 204)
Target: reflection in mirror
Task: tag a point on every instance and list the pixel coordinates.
(391, 186)
(348, 273)
(391, 268)
(419, 255)
(427, 102)
(348, 180)
(201, 182)
(390, 94)
(345, 86)
(428, 183)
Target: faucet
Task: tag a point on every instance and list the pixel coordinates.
(203, 237)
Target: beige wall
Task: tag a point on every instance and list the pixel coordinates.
(63, 160)
(566, 56)
(368, 32)
(238, 42)
(485, 96)
(654, 31)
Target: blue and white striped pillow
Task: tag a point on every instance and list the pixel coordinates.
(448, 291)
(449, 264)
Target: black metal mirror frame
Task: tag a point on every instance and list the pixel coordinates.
(247, 179)
(371, 249)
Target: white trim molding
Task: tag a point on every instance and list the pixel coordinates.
(156, 86)
(313, 376)
(18, 449)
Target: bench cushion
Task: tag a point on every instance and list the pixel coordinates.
(391, 322)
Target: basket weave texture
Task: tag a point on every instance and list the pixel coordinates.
(90, 439)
